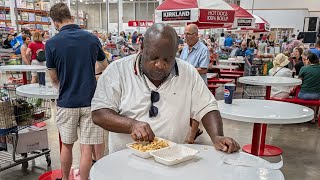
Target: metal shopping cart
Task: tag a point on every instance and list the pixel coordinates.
(18, 120)
(253, 69)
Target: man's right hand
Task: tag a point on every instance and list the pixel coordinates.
(141, 131)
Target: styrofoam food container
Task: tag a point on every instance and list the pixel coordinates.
(173, 155)
(146, 154)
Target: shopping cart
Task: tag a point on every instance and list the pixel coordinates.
(17, 114)
(253, 69)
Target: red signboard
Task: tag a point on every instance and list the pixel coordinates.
(140, 23)
(216, 16)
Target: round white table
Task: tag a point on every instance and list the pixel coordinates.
(23, 69)
(49, 92)
(231, 61)
(225, 67)
(264, 112)
(212, 75)
(270, 81)
(34, 91)
(207, 165)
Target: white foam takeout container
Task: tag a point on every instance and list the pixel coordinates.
(173, 155)
(147, 154)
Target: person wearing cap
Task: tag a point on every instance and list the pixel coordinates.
(279, 70)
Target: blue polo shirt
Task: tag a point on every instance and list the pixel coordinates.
(73, 53)
(228, 42)
(198, 57)
(315, 51)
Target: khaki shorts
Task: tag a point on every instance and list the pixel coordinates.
(68, 120)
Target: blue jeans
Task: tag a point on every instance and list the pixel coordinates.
(309, 96)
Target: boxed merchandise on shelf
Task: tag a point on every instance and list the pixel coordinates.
(45, 19)
(39, 26)
(1, 2)
(38, 18)
(24, 16)
(45, 27)
(32, 17)
(45, 6)
(8, 17)
(37, 6)
(30, 5)
(2, 15)
(21, 4)
(7, 3)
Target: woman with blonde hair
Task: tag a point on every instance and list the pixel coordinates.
(279, 70)
(34, 48)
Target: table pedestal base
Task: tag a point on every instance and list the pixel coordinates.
(54, 174)
(268, 150)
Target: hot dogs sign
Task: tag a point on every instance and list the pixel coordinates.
(216, 16)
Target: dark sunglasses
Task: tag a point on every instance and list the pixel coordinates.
(155, 97)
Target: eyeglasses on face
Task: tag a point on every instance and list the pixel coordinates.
(155, 97)
(189, 34)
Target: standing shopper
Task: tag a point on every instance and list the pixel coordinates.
(196, 53)
(71, 56)
(33, 49)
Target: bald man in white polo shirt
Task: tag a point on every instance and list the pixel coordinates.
(154, 94)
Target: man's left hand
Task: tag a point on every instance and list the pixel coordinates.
(226, 144)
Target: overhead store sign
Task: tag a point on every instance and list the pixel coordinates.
(244, 22)
(140, 23)
(176, 15)
(216, 16)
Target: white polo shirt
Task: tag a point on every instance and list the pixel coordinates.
(183, 95)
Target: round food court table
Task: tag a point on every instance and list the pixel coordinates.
(225, 67)
(231, 61)
(264, 112)
(23, 69)
(48, 92)
(207, 165)
(268, 81)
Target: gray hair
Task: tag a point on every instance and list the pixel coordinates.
(306, 52)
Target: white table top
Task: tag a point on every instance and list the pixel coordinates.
(23, 68)
(34, 91)
(265, 111)
(231, 61)
(225, 67)
(211, 75)
(270, 81)
(207, 165)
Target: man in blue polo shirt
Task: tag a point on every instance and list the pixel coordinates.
(196, 53)
(316, 49)
(71, 56)
(228, 42)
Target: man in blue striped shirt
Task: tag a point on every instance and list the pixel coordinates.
(196, 53)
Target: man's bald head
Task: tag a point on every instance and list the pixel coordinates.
(244, 45)
(159, 52)
(191, 34)
(160, 31)
(193, 28)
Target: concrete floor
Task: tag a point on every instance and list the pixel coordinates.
(300, 144)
